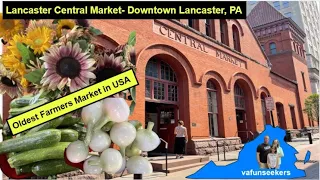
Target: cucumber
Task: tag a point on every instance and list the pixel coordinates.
(24, 169)
(17, 111)
(69, 135)
(78, 128)
(48, 125)
(6, 130)
(28, 142)
(20, 102)
(37, 155)
(68, 120)
(51, 167)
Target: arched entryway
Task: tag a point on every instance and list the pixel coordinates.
(265, 114)
(165, 86)
(214, 101)
(244, 110)
(281, 116)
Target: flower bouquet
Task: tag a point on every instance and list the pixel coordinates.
(48, 59)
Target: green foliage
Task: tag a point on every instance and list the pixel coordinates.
(95, 31)
(25, 53)
(312, 107)
(35, 76)
(132, 38)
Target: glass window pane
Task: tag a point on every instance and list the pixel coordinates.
(148, 89)
(158, 90)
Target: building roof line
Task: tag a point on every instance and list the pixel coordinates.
(279, 75)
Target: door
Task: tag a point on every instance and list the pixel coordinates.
(167, 121)
(242, 125)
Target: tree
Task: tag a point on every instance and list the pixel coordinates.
(312, 107)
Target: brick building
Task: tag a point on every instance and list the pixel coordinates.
(212, 74)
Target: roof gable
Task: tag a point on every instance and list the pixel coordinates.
(263, 13)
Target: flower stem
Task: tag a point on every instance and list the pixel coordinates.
(103, 121)
(150, 126)
(89, 134)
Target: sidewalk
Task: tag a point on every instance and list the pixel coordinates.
(300, 144)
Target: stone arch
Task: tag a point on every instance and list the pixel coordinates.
(106, 41)
(184, 74)
(155, 49)
(263, 89)
(240, 75)
(215, 75)
(236, 23)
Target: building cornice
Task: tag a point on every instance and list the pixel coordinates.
(216, 42)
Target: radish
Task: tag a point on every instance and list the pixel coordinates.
(111, 160)
(77, 151)
(92, 169)
(146, 139)
(139, 165)
(100, 141)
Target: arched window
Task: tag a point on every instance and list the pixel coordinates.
(236, 38)
(212, 108)
(224, 31)
(210, 31)
(161, 82)
(273, 48)
(239, 97)
(194, 23)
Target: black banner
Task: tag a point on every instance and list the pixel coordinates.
(124, 10)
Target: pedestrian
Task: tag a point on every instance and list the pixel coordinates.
(262, 153)
(279, 150)
(273, 158)
(181, 139)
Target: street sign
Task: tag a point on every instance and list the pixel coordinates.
(269, 103)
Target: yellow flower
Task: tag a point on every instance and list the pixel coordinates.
(64, 24)
(9, 27)
(33, 24)
(13, 44)
(24, 83)
(39, 39)
(13, 64)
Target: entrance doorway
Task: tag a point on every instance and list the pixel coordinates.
(161, 93)
(293, 117)
(244, 109)
(280, 115)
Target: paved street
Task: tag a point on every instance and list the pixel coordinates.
(301, 145)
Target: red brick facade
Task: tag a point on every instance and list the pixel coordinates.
(194, 68)
(195, 64)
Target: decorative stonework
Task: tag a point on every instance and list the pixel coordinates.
(209, 146)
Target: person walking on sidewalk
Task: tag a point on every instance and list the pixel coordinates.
(279, 150)
(262, 153)
(181, 139)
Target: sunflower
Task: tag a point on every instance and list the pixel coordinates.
(64, 25)
(9, 83)
(33, 24)
(12, 63)
(108, 66)
(39, 39)
(67, 65)
(17, 38)
(9, 27)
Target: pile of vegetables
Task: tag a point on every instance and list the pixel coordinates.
(40, 150)
(107, 123)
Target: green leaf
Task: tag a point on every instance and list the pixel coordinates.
(133, 93)
(83, 44)
(95, 31)
(25, 53)
(132, 106)
(35, 76)
(55, 21)
(132, 38)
